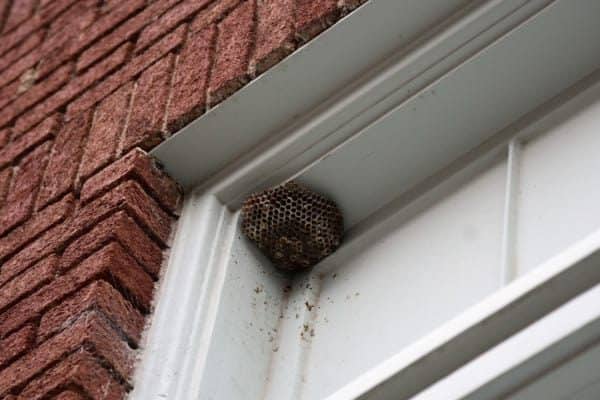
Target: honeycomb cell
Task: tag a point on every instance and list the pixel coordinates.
(294, 226)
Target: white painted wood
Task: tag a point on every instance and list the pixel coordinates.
(461, 110)
(187, 296)
(296, 86)
(355, 107)
(560, 187)
(553, 359)
(379, 299)
(327, 91)
(435, 213)
(247, 323)
(289, 364)
(448, 348)
(376, 383)
(588, 393)
(511, 195)
(577, 378)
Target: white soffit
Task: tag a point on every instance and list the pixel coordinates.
(410, 116)
(504, 82)
(329, 90)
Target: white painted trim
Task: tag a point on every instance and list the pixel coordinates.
(531, 353)
(510, 212)
(282, 146)
(321, 109)
(286, 379)
(481, 327)
(188, 297)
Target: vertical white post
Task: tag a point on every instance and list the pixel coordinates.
(508, 265)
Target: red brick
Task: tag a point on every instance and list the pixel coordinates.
(18, 68)
(82, 370)
(64, 161)
(36, 225)
(8, 93)
(128, 196)
(74, 20)
(67, 27)
(24, 143)
(62, 32)
(212, 14)
(107, 128)
(74, 88)
(19, 12)
(100, 70)
(4, 137)
(168, 21)
(90, 331)
(124, 32)
(46, 244)
(140, 166)
(24, 284)
(111, 263)
(101, 297)
(17, 35)
(234, 44)
(44, 3)
(16, 344)
(34, 95)
(274, 34)
(314, 16)
(188, 98)
(146, 123)
(49, 9)
(132, 68)
(109, 5)
(5, 177)
(70, 395)
(18, 52)
(349, 5)
(54, 45)
(95, 31)
(109, 22)
(121, 228)
(23, 190)
(4, 8)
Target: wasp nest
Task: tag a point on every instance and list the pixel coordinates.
(295, 227)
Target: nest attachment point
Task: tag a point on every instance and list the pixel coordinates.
(294, 226)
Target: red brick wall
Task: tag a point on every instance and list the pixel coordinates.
(86, 87)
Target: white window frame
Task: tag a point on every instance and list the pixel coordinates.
(255, 140)
(553, 358)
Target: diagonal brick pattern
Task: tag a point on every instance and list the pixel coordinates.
(87, 87)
